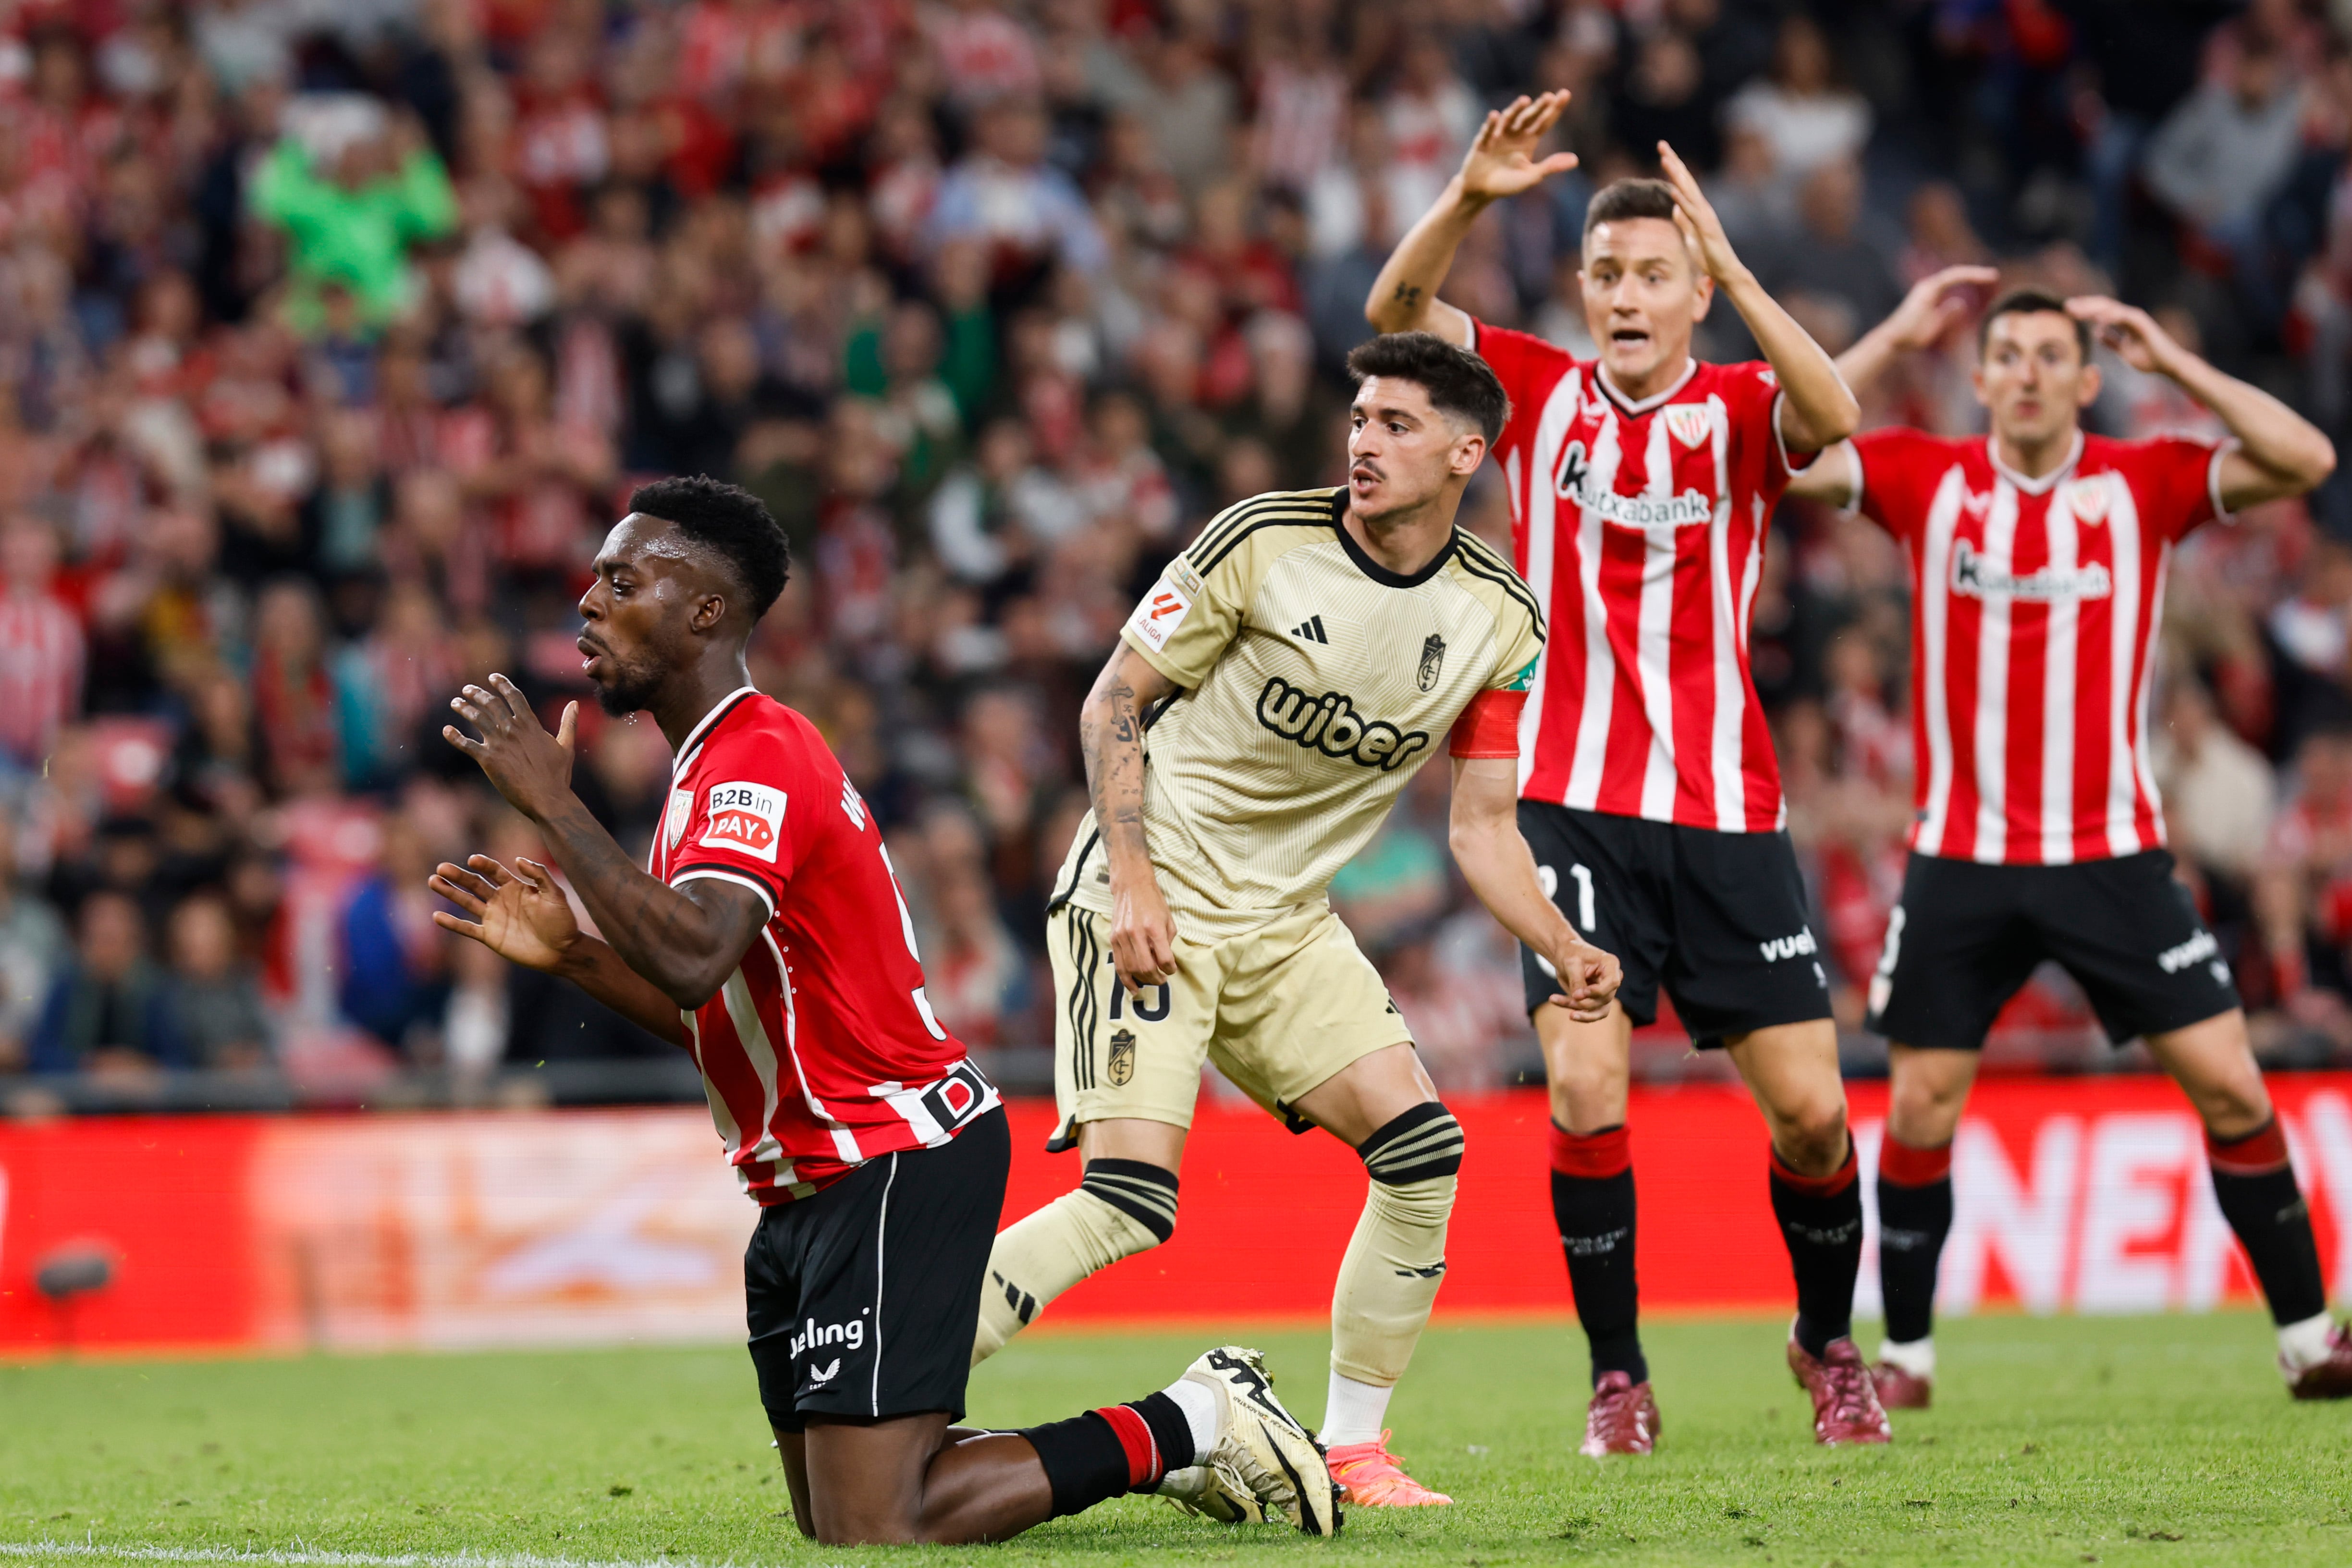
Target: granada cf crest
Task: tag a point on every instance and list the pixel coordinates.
(1121, 1066)
(1433, 660)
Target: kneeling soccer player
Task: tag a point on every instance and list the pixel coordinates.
(771, 940)
(1293, 668)
(2037, 558)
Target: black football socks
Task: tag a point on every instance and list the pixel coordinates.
(1915, 1217)
(2253, 1181)
(1116, 1450)
(1821, 1219)
(1592, 1200)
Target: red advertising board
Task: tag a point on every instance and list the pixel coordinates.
(601, 1226)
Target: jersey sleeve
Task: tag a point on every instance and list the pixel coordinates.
(1525, 364)
(1185, 623)
(2176, 483)
(1890, 467)
(739, 828)
(1489, 722)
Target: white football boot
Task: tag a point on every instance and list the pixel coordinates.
(1264, 1463)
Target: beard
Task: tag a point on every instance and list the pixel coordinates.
(631, 686)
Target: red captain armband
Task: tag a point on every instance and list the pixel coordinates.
(1489, 727)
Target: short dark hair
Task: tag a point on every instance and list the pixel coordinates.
(727, 519)
(2033, 302)
(1460, 384)
(1630, 197)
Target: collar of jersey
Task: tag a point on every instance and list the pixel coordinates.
(1600, 374)
(1373, 569)
(2034, 487)
(694, 736)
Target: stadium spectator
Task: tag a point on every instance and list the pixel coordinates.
(109, 1011)
(329, 343)
(213, 1000)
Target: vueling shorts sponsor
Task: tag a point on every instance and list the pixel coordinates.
(1330, 724)
(1800, 945)
(814, 1335)
(2201, 946)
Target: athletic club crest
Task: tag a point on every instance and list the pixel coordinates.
(1433, 660)
(682, 806)
(1121, 1066)
(2087, 500)
(1690, 423)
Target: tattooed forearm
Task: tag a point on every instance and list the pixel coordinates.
(1110, 734)
(1408, 294)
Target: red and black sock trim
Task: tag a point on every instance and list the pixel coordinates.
(1821, 1220)
(1914, 1220)
(2254, 1185)
(1116, 1450)
(1592, 1204)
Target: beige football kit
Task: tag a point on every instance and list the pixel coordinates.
(1312, 683)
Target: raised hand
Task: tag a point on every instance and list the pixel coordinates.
(1694, 215)
(1935, 302)
(520, 914)
(2131, 331)
(1501, 161)
(530, 767)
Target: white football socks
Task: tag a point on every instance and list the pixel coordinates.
(1200, 1406)
(1353, 1411)
(1917, 1357)
(2304, 1344)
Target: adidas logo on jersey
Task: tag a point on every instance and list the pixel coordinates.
(1330, 724)
(1310, 630)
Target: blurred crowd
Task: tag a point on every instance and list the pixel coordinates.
(332, 337)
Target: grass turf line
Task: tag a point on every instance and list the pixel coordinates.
(2155, 1440)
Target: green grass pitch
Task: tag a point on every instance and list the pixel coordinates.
(2124, 1441)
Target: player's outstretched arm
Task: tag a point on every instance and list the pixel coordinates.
(1110, 734)
(684, 941)
(1483, 830)
(522, 915)
(1501, 162)
(1817, 408)
(2279, 452)
(1926, 313)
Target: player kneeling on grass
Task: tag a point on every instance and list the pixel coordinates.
(2037, 563)
(1293, 670)
(771, 940)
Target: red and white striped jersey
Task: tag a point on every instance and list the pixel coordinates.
(41, 658)
(1641, 527)
(2035, 604)
(821, 1051)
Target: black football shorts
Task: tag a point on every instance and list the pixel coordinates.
(864, 1298)
(1718, 919)
(1965, 937)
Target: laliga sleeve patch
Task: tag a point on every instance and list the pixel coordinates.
(746, 818)
(1162, 611)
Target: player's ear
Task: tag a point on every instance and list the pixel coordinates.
(1704, 287)
(1976, 385)
(1469, 451)
(2086, 390)
(708, 613)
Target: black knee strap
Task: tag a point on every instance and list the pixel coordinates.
(1423, 1144)
(1143, 1191)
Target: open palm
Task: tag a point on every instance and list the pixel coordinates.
(520, 914)
(1501, 161)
